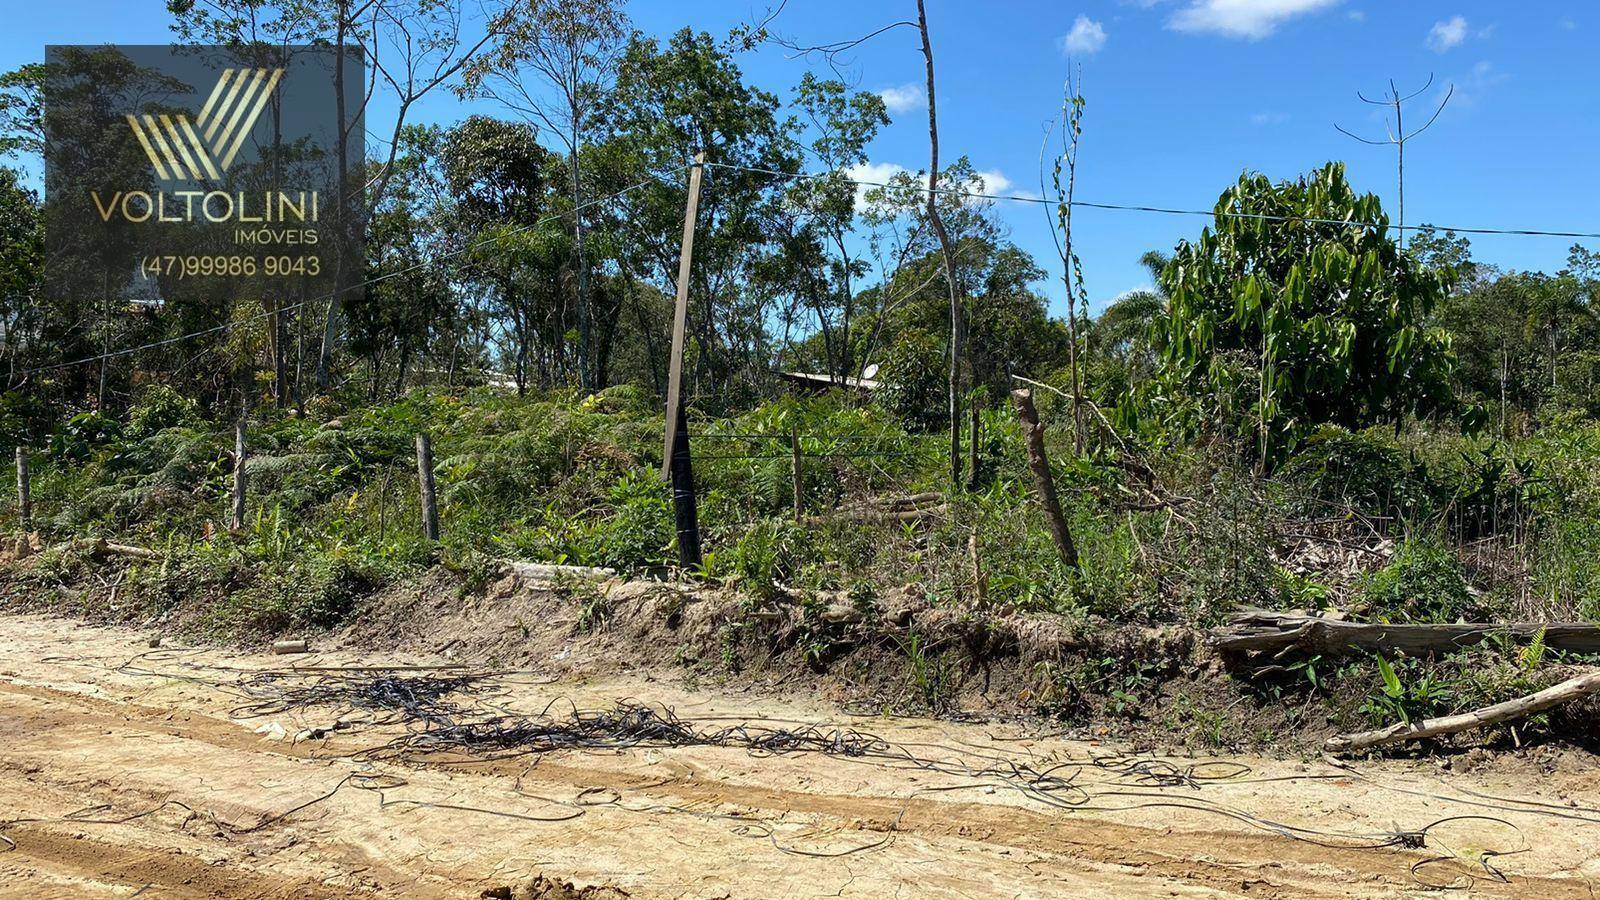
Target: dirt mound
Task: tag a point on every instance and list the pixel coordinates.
(896, 653)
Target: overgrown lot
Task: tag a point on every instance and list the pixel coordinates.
(1425, 527)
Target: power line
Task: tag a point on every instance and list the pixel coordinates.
(1167, 210)
(215, 329)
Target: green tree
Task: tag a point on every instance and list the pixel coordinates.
(1296, 309)
(21, 268)
(502, 180)
(819, 261)
(669, 103)
(554, 69)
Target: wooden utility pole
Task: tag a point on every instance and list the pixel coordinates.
(236, 520)
(799, 476)
(1040, 464)
(677, 460)
(24, 490)
(430, 506)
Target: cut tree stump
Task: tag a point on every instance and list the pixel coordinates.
(1565, 692)
(1277, 633)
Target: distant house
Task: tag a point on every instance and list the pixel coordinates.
(813, 383)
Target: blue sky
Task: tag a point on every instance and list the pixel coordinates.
(1183, 95)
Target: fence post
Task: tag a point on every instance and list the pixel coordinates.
(236, 520)
(24, 490)
(799, 476)
(430, 506)
(1040, 464)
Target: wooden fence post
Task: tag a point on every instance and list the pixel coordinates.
(799, 476)
(677, 459)
(236, 521)
(1040, 464)
(430, 506)
(24, 490)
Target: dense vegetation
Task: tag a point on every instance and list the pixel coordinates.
(1304, 413)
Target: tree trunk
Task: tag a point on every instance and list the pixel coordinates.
(330, 325)
(957, 325)
(580, 263)
(236, 518)
(1277, 633)
(1040, 464)
(1565, 692)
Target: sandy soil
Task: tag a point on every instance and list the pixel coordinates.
(126, 771)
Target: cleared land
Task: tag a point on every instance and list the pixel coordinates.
(125, 770)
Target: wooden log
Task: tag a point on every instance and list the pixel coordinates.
(1046, 482)
(131, 551)
(1263, 631)
(878, 514)
(1565, 692)
(283, 647)
(914, 499)
(430, 505)
(24, 490)
(549, 572)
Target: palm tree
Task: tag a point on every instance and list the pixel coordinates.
(1123, 328)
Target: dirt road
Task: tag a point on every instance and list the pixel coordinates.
(129, 772)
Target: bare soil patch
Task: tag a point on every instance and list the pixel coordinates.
(123, 768)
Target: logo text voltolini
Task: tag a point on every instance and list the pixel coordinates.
(209, 206)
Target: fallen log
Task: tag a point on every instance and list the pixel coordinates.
(1565, 692)
(102, 547)
(1276, 633)
(885, 513)
(544, 573)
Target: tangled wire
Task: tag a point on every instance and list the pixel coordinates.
(451, 712)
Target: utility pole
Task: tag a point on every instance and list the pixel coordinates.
(677, 460)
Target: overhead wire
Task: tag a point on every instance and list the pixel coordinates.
(1165, 210)
(235, 323)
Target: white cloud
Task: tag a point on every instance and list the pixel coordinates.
(1568, 25)
(904, 98)
(1086, 37)
(1471, 88)
(1356, 15)
(1447, 34)
(984, 181)
(1269, 118)
(992, 181)
(1249, 19)
(878, 173)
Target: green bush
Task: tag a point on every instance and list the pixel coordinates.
(1424, 582)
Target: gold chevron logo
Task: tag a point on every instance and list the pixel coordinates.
(180, 150)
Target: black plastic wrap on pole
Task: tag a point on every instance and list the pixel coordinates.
(685, 513)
